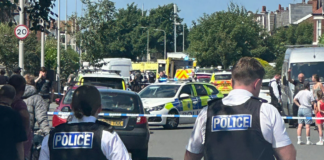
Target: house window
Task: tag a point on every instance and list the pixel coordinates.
(319, 30)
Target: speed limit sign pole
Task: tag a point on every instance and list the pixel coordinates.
(21, 42)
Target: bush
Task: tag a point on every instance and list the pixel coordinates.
(270, 71)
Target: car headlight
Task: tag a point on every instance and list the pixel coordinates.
(157, 108)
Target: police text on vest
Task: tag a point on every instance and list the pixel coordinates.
(231, 122)
(72, 140)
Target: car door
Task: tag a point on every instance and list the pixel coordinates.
(202, 96)
(212, 92)
(187, 104)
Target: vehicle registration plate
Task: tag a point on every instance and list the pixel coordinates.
(113, 122)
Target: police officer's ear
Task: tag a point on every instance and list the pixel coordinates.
(257, 84)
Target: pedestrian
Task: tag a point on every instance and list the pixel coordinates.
(320, 114)
(318, 86)
(17, 70)
(84, 137)
(299, 85)
(36, 105)
(241, 126)
(275, 92)
(3, 79)
(304, 100)
(44, 86)
(12, 133)
(19, 83)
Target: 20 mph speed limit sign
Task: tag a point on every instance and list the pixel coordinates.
(21, 32)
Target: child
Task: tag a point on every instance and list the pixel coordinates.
(304, 100)
(319, 114)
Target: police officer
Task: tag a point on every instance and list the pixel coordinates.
(275, 91)
(84, 137)
(240, 126)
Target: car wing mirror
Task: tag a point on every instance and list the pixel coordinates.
(184, 96)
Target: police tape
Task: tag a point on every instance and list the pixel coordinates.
(165, 115)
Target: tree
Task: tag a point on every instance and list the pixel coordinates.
(223, 37)
(8, 47)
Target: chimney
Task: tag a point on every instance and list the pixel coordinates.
(279, 7)
(264, 9)
(282, 8)
(287, 8)
(303, 1)
(314, 6)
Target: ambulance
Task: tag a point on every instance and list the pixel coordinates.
(223, 81)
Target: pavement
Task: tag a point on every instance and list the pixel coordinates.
(171, 144)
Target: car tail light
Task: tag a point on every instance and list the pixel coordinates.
(141, 120)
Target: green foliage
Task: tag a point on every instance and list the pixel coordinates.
(224, 37)
(8, 47)
(107, 32)
(270, 71)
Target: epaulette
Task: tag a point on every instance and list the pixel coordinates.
(260, 99)
(106, 126)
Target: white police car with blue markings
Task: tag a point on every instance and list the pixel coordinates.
(178, 98)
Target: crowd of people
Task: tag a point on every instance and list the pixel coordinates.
(24, 103)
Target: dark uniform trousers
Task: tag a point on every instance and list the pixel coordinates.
(67, 151)
(233, 142)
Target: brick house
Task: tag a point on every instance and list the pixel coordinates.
(317, 20)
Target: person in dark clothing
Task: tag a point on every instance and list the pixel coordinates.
(17, 70)
(12, 130)
(299, 85)
(3, 79)
(44, 86)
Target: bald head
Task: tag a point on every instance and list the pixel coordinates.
(301, 77)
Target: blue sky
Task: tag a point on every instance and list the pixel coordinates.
(190, 9)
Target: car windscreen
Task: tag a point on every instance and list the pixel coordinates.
(159, 91)
(119, 102)
(308, 69)
(206, 80)
(115, 83)
(68, 97)
(223, 77)
(111, 101)
(206, 70)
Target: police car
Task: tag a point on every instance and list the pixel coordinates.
(223, 81)
(264, 92)
(179, 98)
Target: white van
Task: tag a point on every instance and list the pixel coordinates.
(306, 60)
(124, 65)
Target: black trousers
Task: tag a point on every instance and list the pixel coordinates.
(276, 104)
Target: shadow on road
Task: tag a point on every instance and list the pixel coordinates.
(159, 158)
(179, 128)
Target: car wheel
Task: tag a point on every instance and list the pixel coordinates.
(140, 154)
(172, 122)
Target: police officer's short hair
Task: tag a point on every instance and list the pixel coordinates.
(86, 101)
(247, 70)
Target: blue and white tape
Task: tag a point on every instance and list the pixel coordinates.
(162, 115)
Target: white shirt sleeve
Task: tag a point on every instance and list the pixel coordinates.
(44, 154)
(274, 86)
(297, 95)
(197, 139)
(113, 147)
(312, 96)
(273, 127)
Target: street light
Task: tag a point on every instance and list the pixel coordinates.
(183, 34)
(148, 57)
(164, 41)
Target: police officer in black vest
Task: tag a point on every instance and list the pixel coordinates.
(84, 137)
(275, 92)
(240, 126)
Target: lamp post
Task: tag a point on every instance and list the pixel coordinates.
(148, 57)
(183, 35)
(164, 41)
(58, 49)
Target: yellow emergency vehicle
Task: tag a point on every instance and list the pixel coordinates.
(223, 81)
